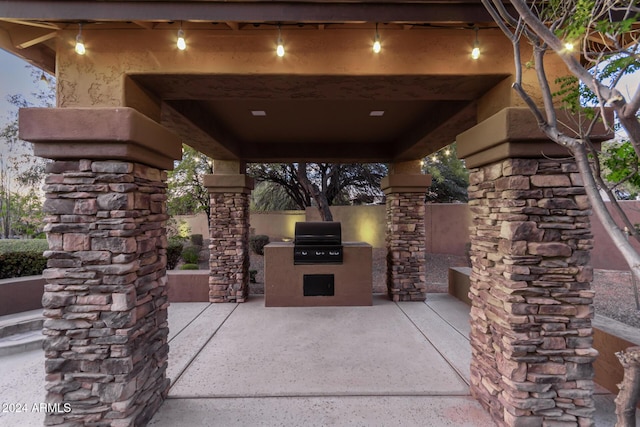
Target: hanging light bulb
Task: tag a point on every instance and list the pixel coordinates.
(280, 46)
(376, 41)
(447, 152)
(475, 52)
(568, 46)
(80, 50)
(181, 43)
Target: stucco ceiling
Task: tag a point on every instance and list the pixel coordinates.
(319, 117)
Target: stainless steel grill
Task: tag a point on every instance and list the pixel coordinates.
(318, 243)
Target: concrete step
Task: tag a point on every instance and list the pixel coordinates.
(21, 332)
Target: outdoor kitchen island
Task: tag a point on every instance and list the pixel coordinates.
(311, 272)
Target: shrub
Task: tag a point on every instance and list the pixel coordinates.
(23, 245)
(174, 250)
(257, 243)
(189, 267)
(19, 257)
(252, 276)
(197, 240)
(17, 264)
(191, 254)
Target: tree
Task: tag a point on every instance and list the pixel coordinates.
(325, 183)
(608, 35)
(20, 171)
(186, 194)
(449, 177)
(269, 196)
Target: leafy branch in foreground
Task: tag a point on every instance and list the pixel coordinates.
(607, 33)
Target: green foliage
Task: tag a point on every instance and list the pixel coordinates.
(191, 254)
(269, 196)
(581, 16)
(189, 267)
(257, 243)
(621, 169)
(178, 229)
(174, 250)
(23, 245)
(21, 173)
(252, 276)
(574, 96)
(18, 264)
(20, 257)
(186, 192)
(449, 177)
(279, 187)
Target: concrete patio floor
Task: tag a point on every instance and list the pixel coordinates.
(392, 364)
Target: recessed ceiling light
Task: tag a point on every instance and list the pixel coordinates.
(258, 113)
(376, 113)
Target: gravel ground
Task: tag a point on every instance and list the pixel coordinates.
(614, 291)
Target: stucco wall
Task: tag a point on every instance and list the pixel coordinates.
(359, 223)
(605, 253)
(447, 228)
(276, 225)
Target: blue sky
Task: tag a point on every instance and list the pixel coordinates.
(15, 79)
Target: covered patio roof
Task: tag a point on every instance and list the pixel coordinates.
(307, 113)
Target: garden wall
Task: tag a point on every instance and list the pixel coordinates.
(446, 226)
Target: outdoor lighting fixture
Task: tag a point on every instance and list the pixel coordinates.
(80, 50)
(376, 41)
(568, 46)
(475, 52)
(280, 47)
(376, 113)
(182, 45)
(446, 152)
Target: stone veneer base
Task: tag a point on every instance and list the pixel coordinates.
(105, 300)
(229, 246)
(531, 302)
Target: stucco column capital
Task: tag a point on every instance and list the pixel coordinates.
(99, 133)
(405, 183)
(228, 183)
(514, 133)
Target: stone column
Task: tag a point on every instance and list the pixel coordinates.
(105, 301)
(405, 189)
(229, 232)
(532, 305)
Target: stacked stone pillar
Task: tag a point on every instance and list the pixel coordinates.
(105, 301)
(405, 188)
(532, 305)
(229, 232)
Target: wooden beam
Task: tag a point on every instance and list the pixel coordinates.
(248, 11)
(233, 25)
(47, 25)
(145, 24)
(25, 42)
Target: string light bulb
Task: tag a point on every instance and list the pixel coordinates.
(181, 43)
(80, 49)
(280, 44)
(568, 46)
(475, 52)
(377, 47)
